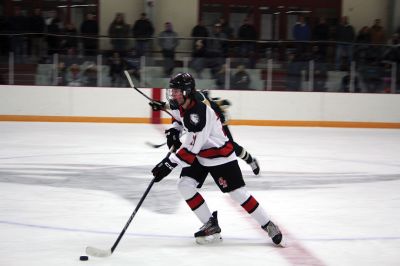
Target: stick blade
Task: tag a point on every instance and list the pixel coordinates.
(156, 146)
(128, 76)
(96, 252)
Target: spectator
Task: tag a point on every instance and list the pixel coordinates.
(294, 68)
(53, 38)
(377, 33)
(118, 31)
(89, 32)
(89, 76)
(220, 77)
(37, 25)
(248, 35)
(4, 44)
(199, 32)
(345, 84)
(216, 45)
(70, 38)
(18, 24)
(321, 34)
(61, 78)
(362, 46)
(142, 30)
(74, 76)
(132, 64)
(372, 73)
(301, 34)
(345, 36)
(226, 29)
(71, 57)
(117, 70)
(320, 69)
(241, 79)
(392, 51)
(198, 58)
(168, 41)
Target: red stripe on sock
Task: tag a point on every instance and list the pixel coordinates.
(250, 204)
(195, 202)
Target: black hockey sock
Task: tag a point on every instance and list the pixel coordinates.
(246, 156)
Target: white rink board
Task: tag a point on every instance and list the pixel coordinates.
(246, 105)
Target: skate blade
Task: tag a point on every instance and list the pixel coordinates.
(211, 239)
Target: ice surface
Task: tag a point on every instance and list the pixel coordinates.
(64, 186)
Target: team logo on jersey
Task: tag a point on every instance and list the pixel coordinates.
(222, 182)
(194, 119)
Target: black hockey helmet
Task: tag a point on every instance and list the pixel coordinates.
(183, 81)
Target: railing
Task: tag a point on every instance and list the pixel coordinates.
(272, 66)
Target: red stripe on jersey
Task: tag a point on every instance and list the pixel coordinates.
(186, 156)
(195, 202)
(250, 205)
(223, 151)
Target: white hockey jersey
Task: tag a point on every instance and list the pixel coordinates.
(205, 137)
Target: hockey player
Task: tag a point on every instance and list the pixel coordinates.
(219, 107)
(206, 149)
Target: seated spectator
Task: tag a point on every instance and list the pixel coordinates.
(132, 64)
(117, 70)
(90, 74)
(71, 57)
(320, 69)
(345, 84)
(74, 76)
(61, 79)
(392, 51)
(294, 68)
(220, 78)
(372, 73)
(241, 79)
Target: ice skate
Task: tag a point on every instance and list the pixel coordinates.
(209, 232)
(254, 166)
(274, 233)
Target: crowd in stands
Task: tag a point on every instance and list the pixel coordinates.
(372, 48)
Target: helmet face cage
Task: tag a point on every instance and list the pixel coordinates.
(183, 81)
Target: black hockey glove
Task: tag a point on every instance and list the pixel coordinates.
(163, 169)
(157, 105)
(172, 135)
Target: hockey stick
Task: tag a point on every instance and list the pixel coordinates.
(102, 253)
(156, 146)
(128, 76)
(96, 252)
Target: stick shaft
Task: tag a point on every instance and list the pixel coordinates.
(132, 215)
(128, 76)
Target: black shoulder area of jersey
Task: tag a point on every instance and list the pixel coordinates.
(195, 118)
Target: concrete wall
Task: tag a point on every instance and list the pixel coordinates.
(249, 107)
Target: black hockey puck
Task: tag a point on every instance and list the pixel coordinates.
(83, 258)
